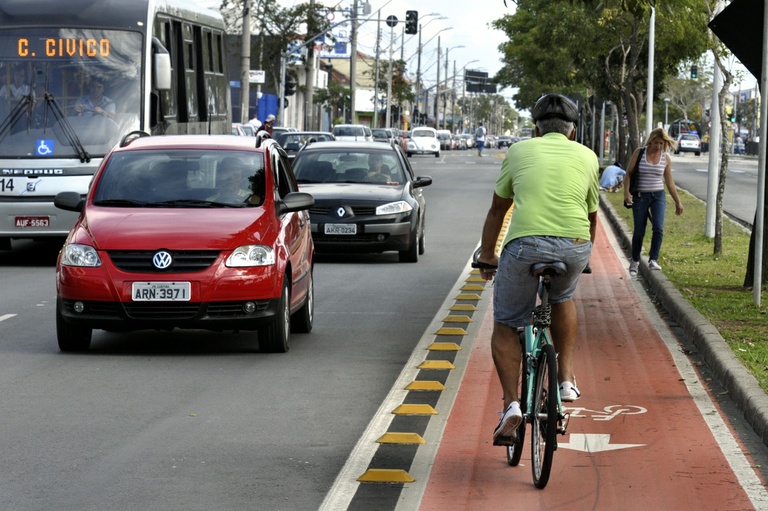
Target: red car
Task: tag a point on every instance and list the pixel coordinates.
(189, 231)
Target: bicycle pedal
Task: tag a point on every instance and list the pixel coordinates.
(504, 440)
(563, 422)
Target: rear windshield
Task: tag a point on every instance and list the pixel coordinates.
(423, 133)
(348, 131)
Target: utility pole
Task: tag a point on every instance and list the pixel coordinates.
(453, 100)
(388, 114)
(245, 63)
(309, 117)
(353, 65)
(260, 65)
(437, 87)
(376, 72)
(418, 76)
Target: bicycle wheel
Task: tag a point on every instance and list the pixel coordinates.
(544, 416)
(515, 450)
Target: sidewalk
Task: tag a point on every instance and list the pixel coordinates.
(642, 436)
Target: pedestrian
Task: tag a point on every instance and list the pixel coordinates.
(553, 183)
(255, 122)
(612, 177)
(480, 138)
(268, 122)
(652, 172)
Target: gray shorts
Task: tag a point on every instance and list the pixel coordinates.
(515, 287)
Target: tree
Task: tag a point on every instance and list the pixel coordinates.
(685, 93)
(598, 47)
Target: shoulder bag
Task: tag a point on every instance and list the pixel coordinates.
(635, 173)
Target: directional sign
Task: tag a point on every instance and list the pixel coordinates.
(593, 443)
(392, 21)
(256, 76)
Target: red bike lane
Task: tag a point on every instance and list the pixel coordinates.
(639, 438)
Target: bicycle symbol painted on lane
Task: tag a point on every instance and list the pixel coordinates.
(607, 413)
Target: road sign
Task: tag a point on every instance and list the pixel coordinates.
(392, 21)
(256, 76)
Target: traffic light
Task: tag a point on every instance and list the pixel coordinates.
(290, 85)
(729, 111)
(694, 72)
(411, 22)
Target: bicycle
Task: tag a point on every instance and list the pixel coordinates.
(539, 390)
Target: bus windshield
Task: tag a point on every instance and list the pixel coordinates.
(67, 92)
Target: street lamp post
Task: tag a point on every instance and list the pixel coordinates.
(666, 112)
(445, 88)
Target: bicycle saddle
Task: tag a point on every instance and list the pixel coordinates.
(553, 268)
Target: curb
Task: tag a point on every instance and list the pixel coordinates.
(741, 385)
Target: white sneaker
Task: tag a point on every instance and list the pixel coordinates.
(633, 268)
(569, 392)
(653, 264)
(509, 422)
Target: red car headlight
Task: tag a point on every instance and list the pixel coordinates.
(251, 255)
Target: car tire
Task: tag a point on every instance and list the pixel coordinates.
(437, 154)
(274, 337)
(411, 254)
(303, 319)
(409, 154)
(423, 237)
(697, 153)
(71, 337)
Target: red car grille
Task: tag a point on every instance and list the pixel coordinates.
(140, 261)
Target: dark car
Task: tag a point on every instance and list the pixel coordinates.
(190, 231)
(504, 141)
(366, 198)
(293, 141)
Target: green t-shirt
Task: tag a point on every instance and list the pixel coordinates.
(554, 183)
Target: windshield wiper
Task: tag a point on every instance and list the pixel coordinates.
(183, 203)
(67, 128)
(26, 102)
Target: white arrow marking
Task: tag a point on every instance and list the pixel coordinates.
(593, 443)
(6, 316)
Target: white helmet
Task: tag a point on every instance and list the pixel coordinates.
(270, 118)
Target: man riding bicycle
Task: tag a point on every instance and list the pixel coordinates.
(554, 185)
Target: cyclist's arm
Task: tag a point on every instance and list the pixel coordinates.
(491, 229)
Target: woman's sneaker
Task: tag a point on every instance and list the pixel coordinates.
(569, 392)
(506, 431)
(633, 268)
(653, 264)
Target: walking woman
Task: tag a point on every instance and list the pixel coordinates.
(651, 166)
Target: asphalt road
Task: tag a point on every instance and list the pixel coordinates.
(202, 421)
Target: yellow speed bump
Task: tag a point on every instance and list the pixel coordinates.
(444, 346)
(451, 331)
(473, 287)
(475, 279)
(414, 409)
(436, 364)
(463, 307)
(460, 318)
(386, 475)
(468, 296)
(425, 385)
(401, 438)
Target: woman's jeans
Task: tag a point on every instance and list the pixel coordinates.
(647, 205)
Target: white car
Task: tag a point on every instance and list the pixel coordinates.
(423, 141)
(352, 133)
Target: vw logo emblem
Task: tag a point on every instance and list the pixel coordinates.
(340, 212)
(162, 260)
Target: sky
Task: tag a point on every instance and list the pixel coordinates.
(465, 31)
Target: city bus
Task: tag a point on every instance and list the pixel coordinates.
(78, 75)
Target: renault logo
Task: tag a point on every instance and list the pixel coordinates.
(162, 260)
(340, 212)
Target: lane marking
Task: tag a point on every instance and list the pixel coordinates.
(7, 316)
(593, 443)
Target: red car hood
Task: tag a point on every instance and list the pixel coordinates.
(191, 229)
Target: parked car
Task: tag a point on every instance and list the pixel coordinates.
(352, 132)
(688, 142)
(504, 141)
(459, 142)
(423, 141)
(469, 139)
(446, 141)
(241, 130)
(188, 231)
(366, 198)
(293, 141)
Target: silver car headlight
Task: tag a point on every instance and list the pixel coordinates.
(251, 255)
(75, 254)
(394, 207)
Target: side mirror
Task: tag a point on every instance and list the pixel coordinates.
(422, 181)
(69, 201)
(295, 201)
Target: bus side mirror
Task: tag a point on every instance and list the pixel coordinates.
(162, 71)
